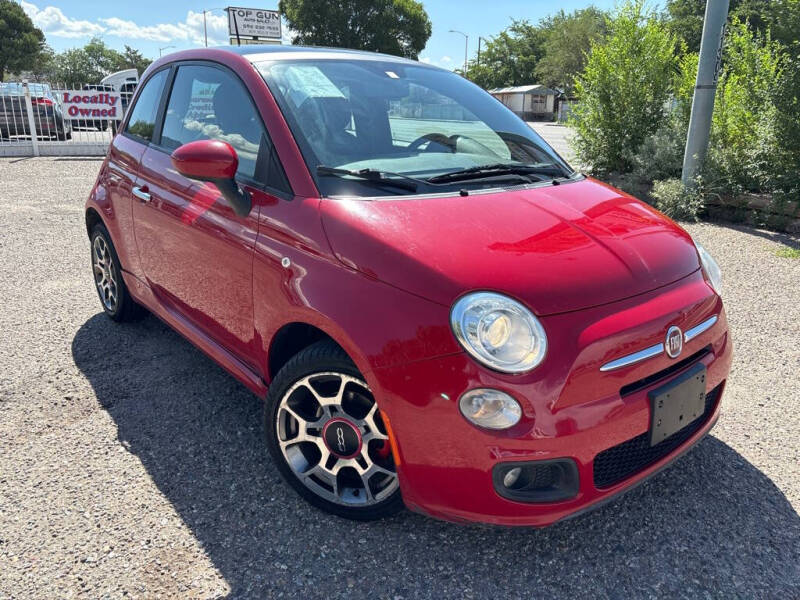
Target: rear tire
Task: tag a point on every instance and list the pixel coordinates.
(114, 295)
(354, 477)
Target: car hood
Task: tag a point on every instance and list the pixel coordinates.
(557, 248)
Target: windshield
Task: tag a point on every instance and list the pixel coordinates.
(16, 89)
(404, 121)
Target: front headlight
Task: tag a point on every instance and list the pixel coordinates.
(711, 269)
(498, 332)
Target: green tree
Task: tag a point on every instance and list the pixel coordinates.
(73, 68)
(510, 58)
(782, 17)
(787, 127)
(568, 38)
(20, 41)
(399, 27)
(743, 132)
(755, 130)
(624, 89)
(92, 62)
(102, 59)
(131, 58)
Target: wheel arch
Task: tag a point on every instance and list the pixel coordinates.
(291, 338)
(92, 218)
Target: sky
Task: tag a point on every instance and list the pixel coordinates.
(154, 25)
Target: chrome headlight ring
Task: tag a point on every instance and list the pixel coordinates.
(498, 332)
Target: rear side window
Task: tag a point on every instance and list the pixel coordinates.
(143, 115)
(210, 103)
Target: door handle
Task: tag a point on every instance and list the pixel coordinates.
(141, 193)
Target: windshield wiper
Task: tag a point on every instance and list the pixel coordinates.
(373, 176)
(495, 169)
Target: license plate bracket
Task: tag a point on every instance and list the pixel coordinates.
(676, 404)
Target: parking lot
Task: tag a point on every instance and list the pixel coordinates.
(131, 465)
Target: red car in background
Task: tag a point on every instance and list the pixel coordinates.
(49, 119)
(439, 312)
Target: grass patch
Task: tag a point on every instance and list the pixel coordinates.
(788, 252)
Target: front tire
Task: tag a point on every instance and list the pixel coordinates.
(114, 295)
(327, 438)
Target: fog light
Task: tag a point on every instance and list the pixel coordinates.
(537, 481)
(491, 409)
(510, 478)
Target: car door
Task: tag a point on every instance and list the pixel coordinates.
(197, 254)
(124, 157)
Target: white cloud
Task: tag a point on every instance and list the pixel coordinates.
(54, 22)
(163, 32)
(190, 30)
(425, 59)
(445, 60)
(217, 23)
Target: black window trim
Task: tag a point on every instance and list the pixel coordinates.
(155, 144)
(134, 101)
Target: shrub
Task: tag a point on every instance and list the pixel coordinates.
(787, 129)
(623, 90)
(677, 201)
(661, 155)
(743, 145)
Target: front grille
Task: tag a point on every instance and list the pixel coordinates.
(628, 458)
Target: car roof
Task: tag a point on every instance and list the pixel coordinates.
(262, 52)
(15, 87)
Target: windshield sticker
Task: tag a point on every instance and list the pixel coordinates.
(310, 82)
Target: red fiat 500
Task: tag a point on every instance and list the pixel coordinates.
(438, 310)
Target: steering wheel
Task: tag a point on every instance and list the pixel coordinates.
(466, 143)
(435, 138)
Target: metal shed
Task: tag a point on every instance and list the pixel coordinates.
(532, 102)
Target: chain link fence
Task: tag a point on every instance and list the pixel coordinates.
(46, 119)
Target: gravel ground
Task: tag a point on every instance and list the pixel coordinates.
(558, 136)
(131, 465)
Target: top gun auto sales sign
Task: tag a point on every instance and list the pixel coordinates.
(91, 104)
(254, 22)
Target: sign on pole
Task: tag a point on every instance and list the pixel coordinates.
(254, 23)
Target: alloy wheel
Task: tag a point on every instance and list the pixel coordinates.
(104, 273)
(331, 435)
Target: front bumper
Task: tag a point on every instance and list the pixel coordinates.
(570, 408)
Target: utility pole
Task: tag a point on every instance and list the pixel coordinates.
(705, 90)
(479, 48)
(466, 48)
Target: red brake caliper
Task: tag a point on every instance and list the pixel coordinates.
(385, 450)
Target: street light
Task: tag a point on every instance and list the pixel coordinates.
(466, 47)
(205, 29)
(162, 49)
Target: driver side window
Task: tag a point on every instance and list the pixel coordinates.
(210, 103)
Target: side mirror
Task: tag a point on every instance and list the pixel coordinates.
(214, 161)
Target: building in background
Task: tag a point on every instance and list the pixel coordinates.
(531, 102)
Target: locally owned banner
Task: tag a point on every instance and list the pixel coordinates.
(90, 104)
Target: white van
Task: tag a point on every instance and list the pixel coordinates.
(125, 83)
